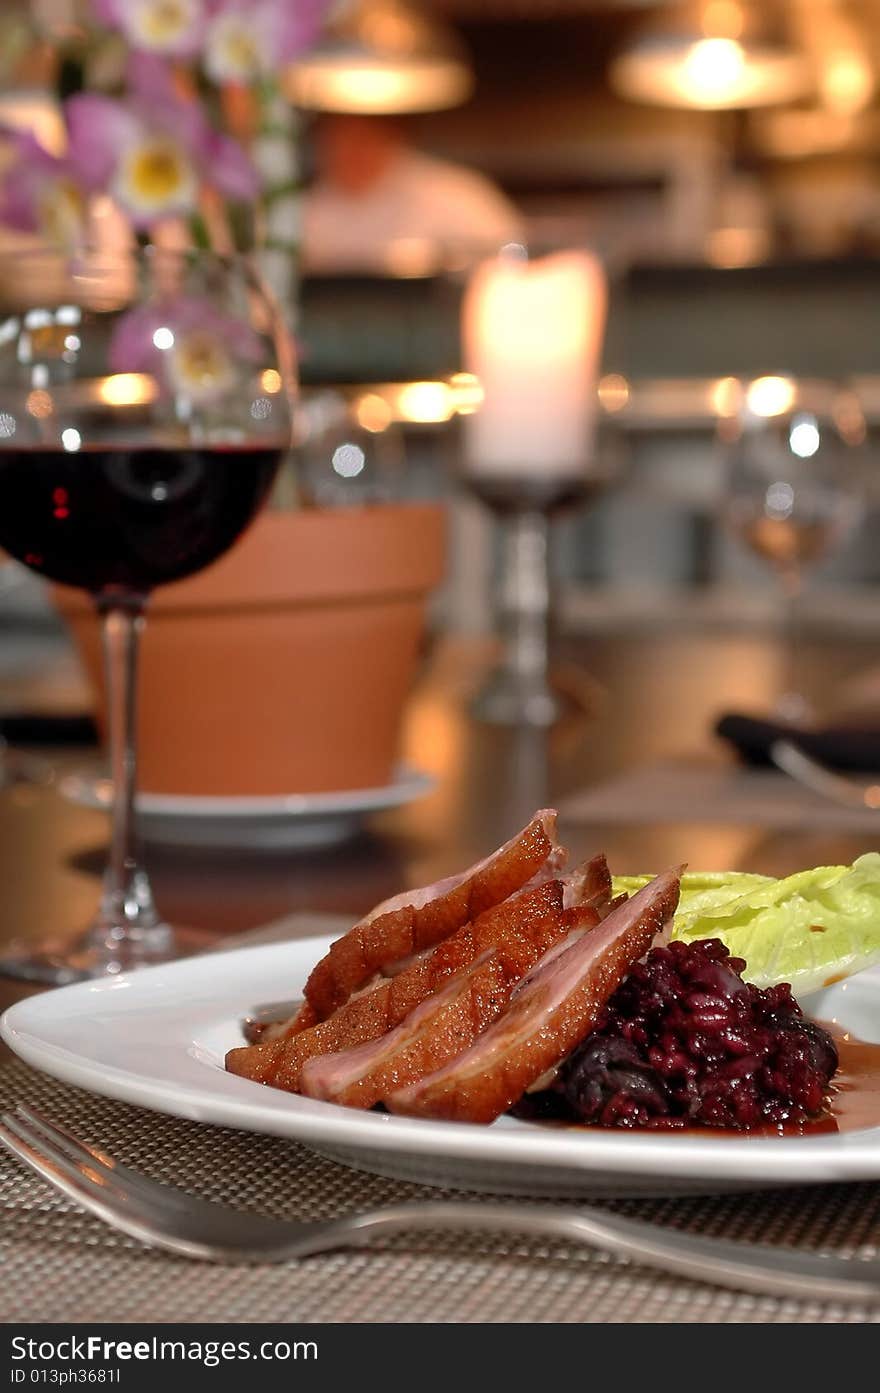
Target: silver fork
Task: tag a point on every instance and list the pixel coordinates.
(164, 1217)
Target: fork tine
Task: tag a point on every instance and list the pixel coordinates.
(49, 1151)
(54, 1166)
(77, 1149)
(96, 1193)
(83, 1166)
(130, 1185)
(142, 1215)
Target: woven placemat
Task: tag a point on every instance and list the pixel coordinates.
(60, 1264)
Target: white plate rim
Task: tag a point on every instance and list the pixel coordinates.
(35, 1030)
(88, 789)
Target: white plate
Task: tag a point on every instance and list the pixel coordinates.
(289, 820)
(158, 1037)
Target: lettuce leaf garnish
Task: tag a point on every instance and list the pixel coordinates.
(810, 929)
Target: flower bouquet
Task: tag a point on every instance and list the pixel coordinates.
(175, 124)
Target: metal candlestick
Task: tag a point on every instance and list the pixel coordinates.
(520, 690)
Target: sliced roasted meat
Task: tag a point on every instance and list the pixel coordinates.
(370, 1014)
(554, 1008)
(305, 1016)
(445, 1023)
(258, 1033)
(279, 1062)
(589, 884)
(418, 919)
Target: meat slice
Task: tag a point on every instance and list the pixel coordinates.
(418, 919)
(306, 1016)
(445, 1023)
(591, 883)
(258, 1033)
(279, 1062)
(552, 1010)
(588, 884)
(368, 1015)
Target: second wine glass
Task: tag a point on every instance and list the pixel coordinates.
(794, 493)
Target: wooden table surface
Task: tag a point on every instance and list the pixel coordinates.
(651, 695)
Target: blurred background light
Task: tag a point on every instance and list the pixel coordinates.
(425, 402)
(383, 57)
(714, 55)
(771, 396)
(804, 437)
(128, 389)
(846, 82)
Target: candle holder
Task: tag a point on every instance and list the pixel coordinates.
(521, 691)
(532, 334)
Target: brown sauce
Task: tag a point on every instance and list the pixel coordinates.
(855, 1088)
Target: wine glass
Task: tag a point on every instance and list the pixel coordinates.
(349, 449)
(145, 407)
(794, 491)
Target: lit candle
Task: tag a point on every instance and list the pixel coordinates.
(533, 336)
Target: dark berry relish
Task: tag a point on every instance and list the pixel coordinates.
(685, 1042)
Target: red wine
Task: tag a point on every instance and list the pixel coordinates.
(128, 519)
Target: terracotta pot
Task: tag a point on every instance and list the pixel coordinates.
(285, 666)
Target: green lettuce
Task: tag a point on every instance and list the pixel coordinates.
(810, 929)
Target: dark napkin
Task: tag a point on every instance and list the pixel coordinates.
(840, 747)
(28, 728)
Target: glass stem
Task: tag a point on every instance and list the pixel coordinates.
(126, 908)
(793, 704)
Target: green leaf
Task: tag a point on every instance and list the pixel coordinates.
(810, 929)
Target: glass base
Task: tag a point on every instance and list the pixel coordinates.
(509, 699)
(506, 700)
(98, 953)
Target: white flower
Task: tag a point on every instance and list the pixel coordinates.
(235, 51)
(161, 26)
(248, 39)
(199, 366)
(155, 176)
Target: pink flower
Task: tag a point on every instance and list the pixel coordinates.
(172, 27)
(249, 39)
(245, 38)
(153, 152)
(41, 193)
(190, 347)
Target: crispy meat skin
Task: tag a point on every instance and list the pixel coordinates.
(371, 1014)
(444, 1024)
(302, 1018)
(305, 1017)
(588, 884)
(421, 919)
(279, 1062)
(554, 1009)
